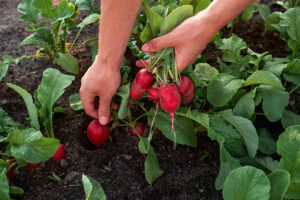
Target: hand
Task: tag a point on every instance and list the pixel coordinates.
(101, 80)
(188, 39)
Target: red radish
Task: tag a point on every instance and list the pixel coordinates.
(31, 165)
(141, 83)
(60, 153)
(115, 106)
(186, 89)
(153, 94)
(11, 166)
(169, 98)
(97, 133)
(140, 129)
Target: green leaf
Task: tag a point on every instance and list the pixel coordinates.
(124, 93)
(274, 101)
(152, 168)
(15, 190)
(262, 77)
(292, 73)
(205, 72)
(146, 34)
(245, 128)
(7, 124)
(175, 18)
(246, 183)
(228, 163)
(293, 192)
(184, 128)
(90, 19)
(200, 118)
(248, 12)
(42, 36)
(288, 146)
(291, 20)
(221, 89)
(201, 5)
(31, 109)
(64, 10)
(68, 63)
(52, 86)
(279, 180)
(274, 67)
(233, 142)
(33, 28)
(4, 186)
(85, 4)
(273, 18)
(294, 78)
(293, 68)
(264, 10)
(75, 102)
(93, 190)
(267, 143)
(3, 69)
(153, 18)
(26, 8)
(44, 6)
(267, 162)
(246, 105)
(29, 145)
(289, 119)
(232, 47)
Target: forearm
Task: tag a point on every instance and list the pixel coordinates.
(221, 12)
(116, 23)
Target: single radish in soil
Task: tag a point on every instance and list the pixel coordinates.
(97, 133)
(11, 166)
(140, 129)
(31, 165)
(186, 89)
(141, 83)
(60, 153)
(153, 94)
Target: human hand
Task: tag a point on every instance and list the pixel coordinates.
(188, 39)
(101, 80)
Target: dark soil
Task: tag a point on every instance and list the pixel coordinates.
(119, 167)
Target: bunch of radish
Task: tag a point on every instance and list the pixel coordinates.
(169, 90)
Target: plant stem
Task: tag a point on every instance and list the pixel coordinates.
(139, 117)
(294, 89)
(74, 41)
(121, 125)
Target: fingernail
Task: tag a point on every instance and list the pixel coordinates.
(145, 47)
(103, 120)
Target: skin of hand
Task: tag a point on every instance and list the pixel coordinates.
(190, 38)
(102, 79)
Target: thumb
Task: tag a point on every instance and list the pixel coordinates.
(104, 110)
(158, 43)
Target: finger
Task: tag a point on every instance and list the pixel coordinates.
(104, 110)
(142, 63)
(88, 104)
(182, 61)
(159, 43)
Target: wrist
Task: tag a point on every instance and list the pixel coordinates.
(107, 63)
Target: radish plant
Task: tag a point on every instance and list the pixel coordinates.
(50, 26)
(22, 146)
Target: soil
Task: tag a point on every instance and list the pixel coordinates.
(119, 167)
